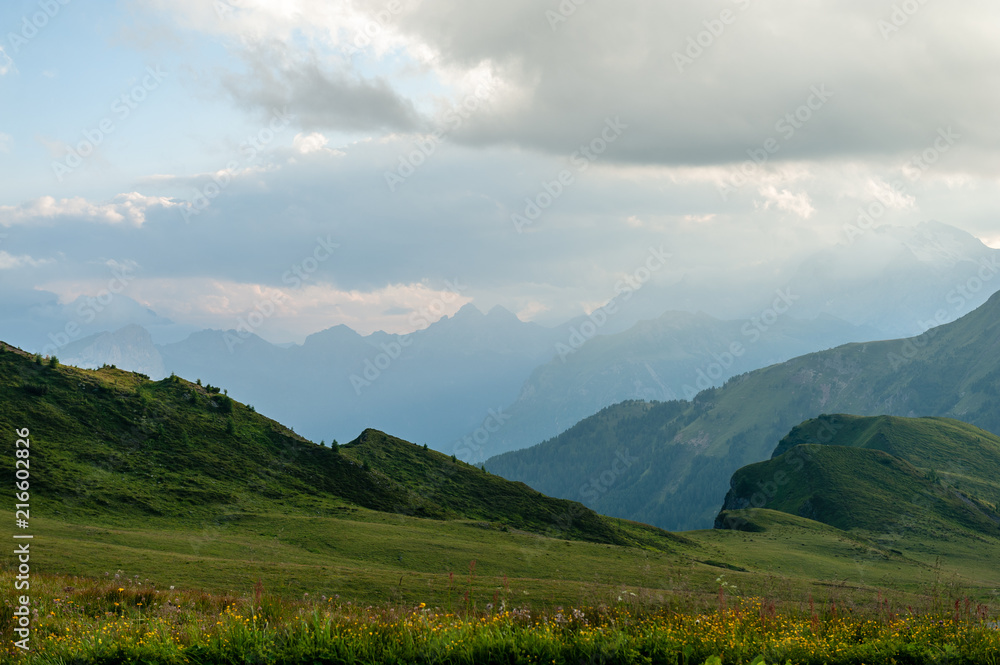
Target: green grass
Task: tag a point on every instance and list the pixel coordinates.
(168, 484)
(436, 485)
(852, 488)
(923, 487)
(951, 453)
(121, 620)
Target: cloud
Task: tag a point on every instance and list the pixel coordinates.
(10, 262)
(991, 240)
(562, 78)
(314, 142)
(129, 208)
(798, 204)
(532, 310)
(890, 196)
(220, 303)
(5, 140)
(323, 97)
(451, 220)
(6, 64)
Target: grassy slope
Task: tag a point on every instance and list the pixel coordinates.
(169, 481)
(688, 452)
(875, 479)
(115, 446)
(858, 488)
(146, 478)
(432, 482)
(112, 445)
(958, 454)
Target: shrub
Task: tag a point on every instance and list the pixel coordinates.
(223, 403)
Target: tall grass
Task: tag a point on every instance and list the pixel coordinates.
(123, 620)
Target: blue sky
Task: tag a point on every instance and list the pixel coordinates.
(698, 89)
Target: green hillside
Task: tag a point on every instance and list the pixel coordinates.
(437, 486)
(685, 452)
(174, 483)
(116, 447)
(877, 481)
(948, 451)
(859, 488)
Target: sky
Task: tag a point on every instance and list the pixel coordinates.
(357, 162)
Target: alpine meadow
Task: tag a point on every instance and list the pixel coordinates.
(524, 333)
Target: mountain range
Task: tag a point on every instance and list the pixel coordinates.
(681, 455)
(176, 482)
(478, 385)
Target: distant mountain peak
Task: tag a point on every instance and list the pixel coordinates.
(501, 313)
(336, 333)
(468, 311)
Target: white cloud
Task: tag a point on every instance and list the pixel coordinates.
(220, 303)
(11, 262)
(5, 140)
(560, 81)
(6, 64)
(531, 310)
(891, 197)
(129, 208)
(798, 204)
(314, 142)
